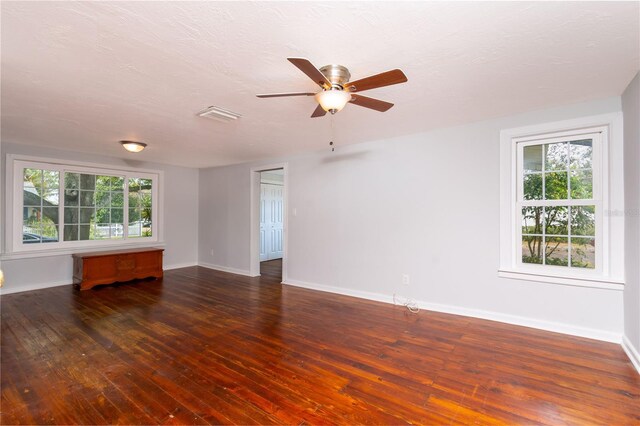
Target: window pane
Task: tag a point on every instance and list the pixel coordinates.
(103, 199)
(87, 181)
(51, 198)
(50, 180)
(583, 220)
(86, 198)
(30, 237)
(556, 186)
(117, 230)
(581, 154)
(556, 220)
(71, 197)
(117, 216)
(85, 232)
(135, 228)
(31, 214)
(49, 231)
(532, 186)
(556, 156)
(71, 232)
(40, 200)
(146, 229)
(71, 215)
(71, 180)
(30, 197)
(532, 249)
(103, 183)
(33, 179)
(134, 200)
(532, 220)
(140, 207)
(532, 158)
(145, 199)
(42, 230)
(583, 252)
(581, 184)
(117, 183)
(40, 187)
(135, 224)
(50, 213)
(117, 199)
(103, 215)
(557, 251)
(145, 184)
(87, 215)
(134, 185)
(102, 231)
(31, 232)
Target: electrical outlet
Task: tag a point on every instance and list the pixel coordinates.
(405, 279)
(211, 252)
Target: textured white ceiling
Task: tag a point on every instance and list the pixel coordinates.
(83, 75)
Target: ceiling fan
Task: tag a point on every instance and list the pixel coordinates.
(337, 90)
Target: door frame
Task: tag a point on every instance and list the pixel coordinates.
(254, 243)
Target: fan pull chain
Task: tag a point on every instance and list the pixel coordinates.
(332, 135)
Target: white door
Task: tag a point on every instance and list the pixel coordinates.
(271, 215)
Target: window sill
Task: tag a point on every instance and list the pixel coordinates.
(592, 282)
(69, 251)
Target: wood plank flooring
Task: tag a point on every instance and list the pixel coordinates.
(207, 347)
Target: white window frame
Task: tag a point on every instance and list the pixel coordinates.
(607, 193)
(15, 248)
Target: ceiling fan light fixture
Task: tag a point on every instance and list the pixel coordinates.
(333, 100)
(133, 146)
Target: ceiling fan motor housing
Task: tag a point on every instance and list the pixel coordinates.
(338, 75)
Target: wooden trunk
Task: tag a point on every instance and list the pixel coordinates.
(107, 267)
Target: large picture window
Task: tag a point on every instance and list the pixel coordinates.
(62, 206)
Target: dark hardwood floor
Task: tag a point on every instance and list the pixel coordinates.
(205, 347)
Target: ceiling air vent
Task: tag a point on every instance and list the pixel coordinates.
(218, 113)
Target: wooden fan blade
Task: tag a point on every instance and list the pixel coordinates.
(319, 112)
(311, 71)
(379, 80)
(365, 101)
(279, 95)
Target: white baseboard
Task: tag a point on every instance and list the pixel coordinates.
(30, 287)
(226, 269)
(339, 290)
(179, 265)
(590, 333)
(556, 327)
(632, 353)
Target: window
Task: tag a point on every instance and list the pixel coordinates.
(65, 206)
(559, 203)
(561, 186)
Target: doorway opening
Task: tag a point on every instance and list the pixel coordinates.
(268, 236)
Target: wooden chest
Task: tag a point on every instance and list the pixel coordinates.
(107, 267)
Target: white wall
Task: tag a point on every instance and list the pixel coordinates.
(224, 218)
(180, 220)
(426, 205)
(631, 111)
